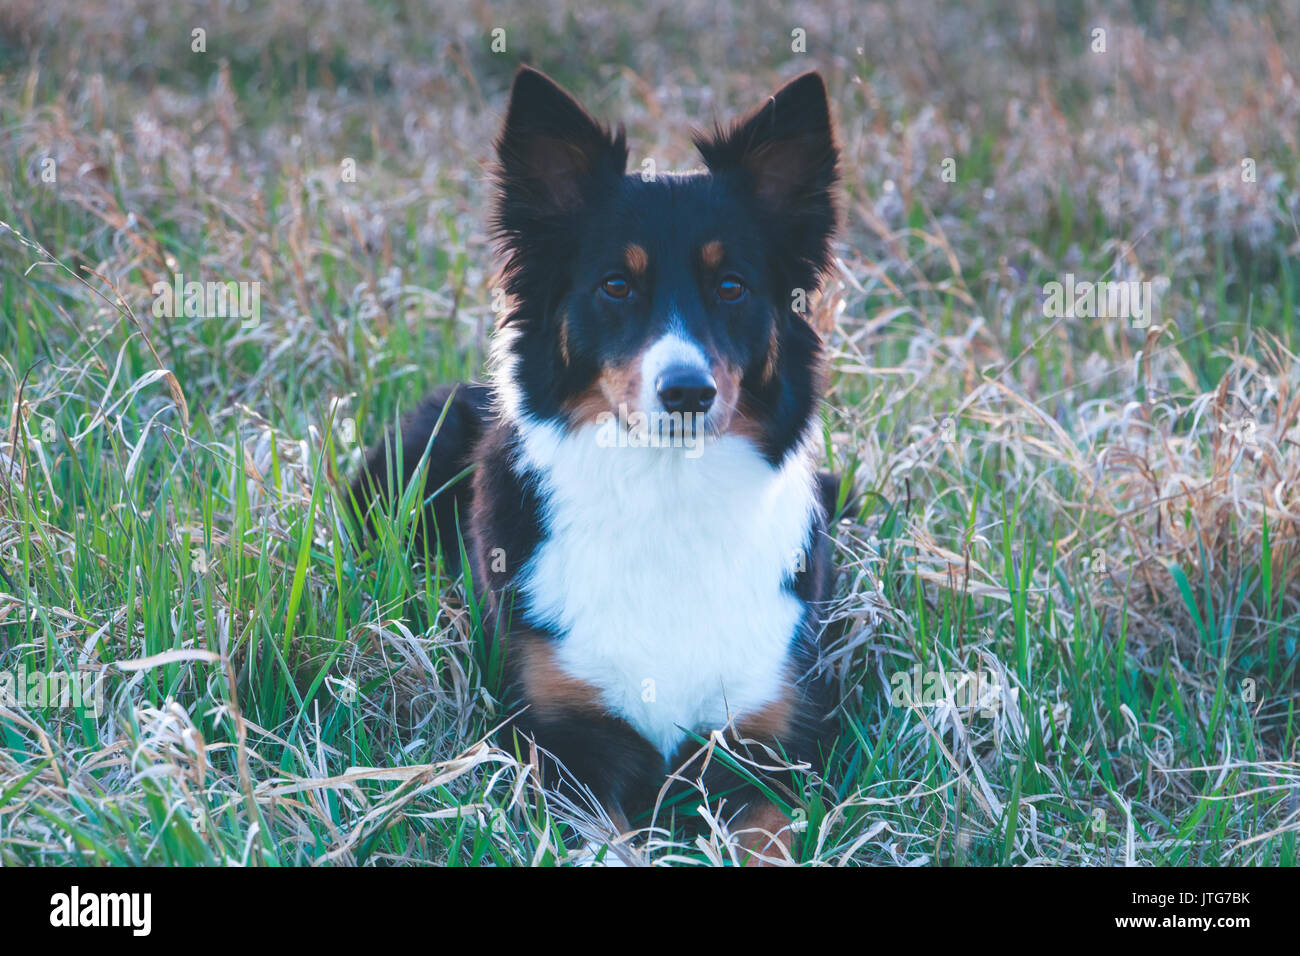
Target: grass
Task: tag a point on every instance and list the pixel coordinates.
(1068, 596)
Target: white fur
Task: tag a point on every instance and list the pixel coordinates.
(509, 400)
(665, 573)
(674, 348)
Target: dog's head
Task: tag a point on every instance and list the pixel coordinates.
(681, 297)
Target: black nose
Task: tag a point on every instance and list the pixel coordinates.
(686, 389)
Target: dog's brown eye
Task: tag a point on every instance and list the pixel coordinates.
(615, 287)
(730, 289)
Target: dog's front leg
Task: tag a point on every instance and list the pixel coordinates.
(763, 832)
(581, 745)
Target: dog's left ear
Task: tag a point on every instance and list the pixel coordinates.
(785, 153)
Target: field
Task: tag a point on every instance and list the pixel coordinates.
(1067, 617)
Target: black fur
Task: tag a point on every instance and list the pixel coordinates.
(390, 465)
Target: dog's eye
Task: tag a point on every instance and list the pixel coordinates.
(615, 287)
(730, 289)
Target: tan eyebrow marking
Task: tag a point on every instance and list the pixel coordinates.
(636, 258)
(711, 253)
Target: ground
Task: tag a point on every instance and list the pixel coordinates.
(1068, 591)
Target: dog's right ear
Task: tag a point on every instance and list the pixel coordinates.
(552, 155)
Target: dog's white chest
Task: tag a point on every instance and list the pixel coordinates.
(666, 575)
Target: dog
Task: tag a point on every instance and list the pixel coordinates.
(635, 489)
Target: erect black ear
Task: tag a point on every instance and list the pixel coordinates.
(785, 153)
(552, 153)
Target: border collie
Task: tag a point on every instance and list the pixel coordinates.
(643, 511)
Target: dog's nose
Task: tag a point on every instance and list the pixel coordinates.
(686, 389)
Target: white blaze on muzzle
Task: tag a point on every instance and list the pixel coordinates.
(671, 351)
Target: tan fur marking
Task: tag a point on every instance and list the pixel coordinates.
(638, 261)
(725, 406)
(733, 417)
(772, 721)
(564, 337)
(744, 425)
(712, 253)
(763, 830)
(763, 833)
(616, 385)
(547, 688)
(773, 356)
(587, 406)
